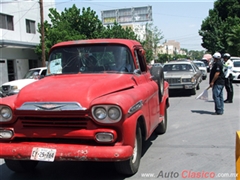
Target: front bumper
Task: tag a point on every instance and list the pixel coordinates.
(67, 152)
(182, 86)
(236, 77)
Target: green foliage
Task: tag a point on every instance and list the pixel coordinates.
(152, 39)
(195, 54)
(233, 41)
(163, 58)
(117, 31)
(74, 24)
(70, 24)
(219, 30)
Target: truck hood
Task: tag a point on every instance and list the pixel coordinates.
(81, 88)
(19, 83)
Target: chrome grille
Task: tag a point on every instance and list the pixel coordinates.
(173, 80)
(49, 122)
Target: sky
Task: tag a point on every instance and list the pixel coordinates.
(177, 20)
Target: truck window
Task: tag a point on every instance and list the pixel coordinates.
(140, 61)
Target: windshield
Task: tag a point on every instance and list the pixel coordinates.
(205, 62)
(200, 64)
(31, 74)
(90, 59)
(236, 63)
(177, 67)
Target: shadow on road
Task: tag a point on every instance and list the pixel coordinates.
(73, 170)
(202, 112)
(179, 93)
(147, 144)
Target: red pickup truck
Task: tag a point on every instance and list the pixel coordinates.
(98, 102)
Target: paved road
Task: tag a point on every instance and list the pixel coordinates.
(197, 144)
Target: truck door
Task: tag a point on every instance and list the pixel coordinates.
(152, 101)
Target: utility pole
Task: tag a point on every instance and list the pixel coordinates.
(42, 34)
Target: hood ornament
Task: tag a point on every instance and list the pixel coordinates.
(51, 106)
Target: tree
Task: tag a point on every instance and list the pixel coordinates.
(152, 39)
(218, 26)
(195, 54)
(233, 41)
(71, 24)
(163, 58)
(74, 24)
(117, 31)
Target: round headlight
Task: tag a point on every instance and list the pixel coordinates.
(114, 113)
(14, 87)
(6, 113)
(100, 113)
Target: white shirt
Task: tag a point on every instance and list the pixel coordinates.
(227, 68)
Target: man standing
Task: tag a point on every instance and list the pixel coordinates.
(228, 64)
(217, 83)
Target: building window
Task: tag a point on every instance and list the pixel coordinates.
(30, 26)
(32, 63)
(6, 22)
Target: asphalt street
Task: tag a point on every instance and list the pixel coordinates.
(197, 145)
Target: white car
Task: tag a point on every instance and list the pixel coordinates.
(13, 87)
(202, 67)
(236, 69)
(234, 58)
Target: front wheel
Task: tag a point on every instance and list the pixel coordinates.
(21, 165)
(130, 166)
(162, 126)
(158, 77)
(193, 91)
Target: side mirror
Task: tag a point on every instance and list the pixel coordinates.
(137, 71)
(42, 76)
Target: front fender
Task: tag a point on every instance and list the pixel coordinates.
(129, 128)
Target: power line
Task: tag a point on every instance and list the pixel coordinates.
(45, 6)
(21, 17)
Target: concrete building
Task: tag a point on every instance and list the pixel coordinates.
(18, 36)
(170, 47)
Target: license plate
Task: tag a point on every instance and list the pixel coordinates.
(43, 154)
(188, 86)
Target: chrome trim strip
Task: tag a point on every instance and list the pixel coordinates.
(135, 107)
(51, 106)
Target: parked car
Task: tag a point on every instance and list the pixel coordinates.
(234, 58)
(202, 68)
(98, 102)
(157, 64)
(207, 64)
(13, 87)
(236, 69)
(183, 74)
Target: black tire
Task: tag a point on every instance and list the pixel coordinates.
(21, 165)
(198, 86)
(158, 77)
(130, 166)
(193, 91)
(162, 126)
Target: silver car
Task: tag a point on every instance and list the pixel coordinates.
(183, 74)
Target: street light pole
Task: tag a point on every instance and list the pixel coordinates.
(42, 33)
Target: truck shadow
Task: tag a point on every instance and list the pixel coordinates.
(179, 93)
(71, 170)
